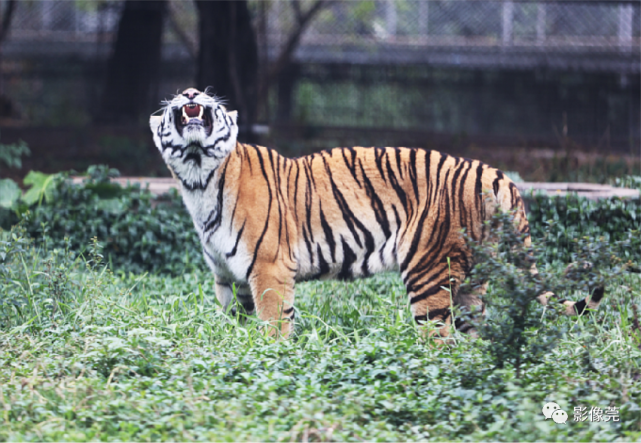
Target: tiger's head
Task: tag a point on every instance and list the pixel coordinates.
(194, 133)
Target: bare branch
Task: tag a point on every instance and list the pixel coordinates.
(293, 40)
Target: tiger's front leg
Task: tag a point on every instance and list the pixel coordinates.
(243, 296)
(432, 291)
(272, 288)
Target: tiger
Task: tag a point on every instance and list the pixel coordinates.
(266, 221)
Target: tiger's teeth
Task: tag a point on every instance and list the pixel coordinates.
(185, 114)
(200, 114)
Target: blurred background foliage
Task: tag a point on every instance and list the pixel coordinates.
(496, 80)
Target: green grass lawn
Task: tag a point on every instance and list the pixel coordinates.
(144, 357)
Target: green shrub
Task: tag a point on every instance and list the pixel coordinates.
(139, 233)
(561, 220)
(628, 181)
(518, 329)
(515, 328)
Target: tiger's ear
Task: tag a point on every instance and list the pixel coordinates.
(154, 122)
(233, 115)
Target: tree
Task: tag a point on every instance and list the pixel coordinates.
(133, 69)
(6, 104)
(228, 57)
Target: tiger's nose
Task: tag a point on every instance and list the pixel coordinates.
(190, 93)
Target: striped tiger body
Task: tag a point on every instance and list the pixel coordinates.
(266, 221)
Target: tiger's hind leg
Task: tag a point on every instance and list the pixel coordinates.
(471, 303)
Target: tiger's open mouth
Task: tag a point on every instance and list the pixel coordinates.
(193, 115)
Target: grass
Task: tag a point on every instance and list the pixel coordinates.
(144, 357)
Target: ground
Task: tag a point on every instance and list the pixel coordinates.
(144, 357)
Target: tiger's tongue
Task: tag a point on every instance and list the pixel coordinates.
(192, 111)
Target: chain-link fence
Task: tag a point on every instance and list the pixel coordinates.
(581, 35)
(475, 34)
(504, 69)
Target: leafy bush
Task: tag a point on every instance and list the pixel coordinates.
(138, 232)
(561, 220)
(517, 328)
(629, 181)
(10, 156)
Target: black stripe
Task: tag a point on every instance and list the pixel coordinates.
(515, 197)
(278, 196)
(193, 156)
(329, 235)
(495, 183)
(348, 215)
(398, 228)
(413, 173)
(214, 224)
(352, 220)
(249, 159)
(296, 192)
(436, 287)
(399, 163)
(269, 207)
(397, 188)
(378, 156)
(463, 207)
(308, 244)
(442, 236)
(308, 204)
(197, 185)
(209, 218)
(579, 306)
(444, 313)
(352, 166)
(322, 263)
(240, 232)
(377, 205)
(349, 257)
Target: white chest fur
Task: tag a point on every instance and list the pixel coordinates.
(216, 233)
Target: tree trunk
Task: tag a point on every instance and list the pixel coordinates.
(131, 85)
(7, 108)
(228, 58)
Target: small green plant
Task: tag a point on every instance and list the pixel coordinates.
(518, 329)
(628, 181)
(36, 284)
(11, 156)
